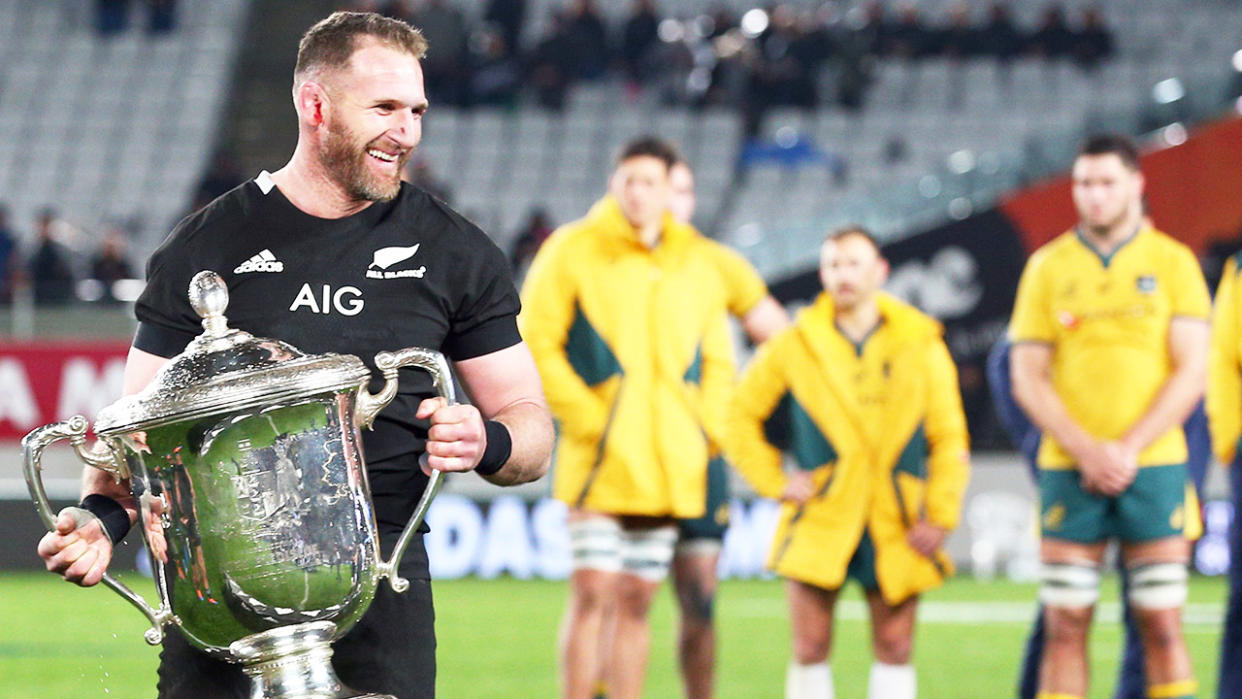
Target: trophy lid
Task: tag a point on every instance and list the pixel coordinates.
(226, 370)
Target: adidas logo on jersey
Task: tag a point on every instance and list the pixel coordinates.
(263, 262)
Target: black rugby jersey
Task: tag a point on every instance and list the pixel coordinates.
(406, 273)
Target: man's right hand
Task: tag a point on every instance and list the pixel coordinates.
(799, 487)
(1107, 468)
(78, 554)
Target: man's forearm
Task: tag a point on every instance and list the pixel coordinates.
(1171, 406)
(1040, 401)
(530, 429)
(97, 482)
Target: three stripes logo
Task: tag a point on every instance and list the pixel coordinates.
(265, 261)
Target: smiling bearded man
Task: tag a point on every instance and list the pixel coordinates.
(333, 253)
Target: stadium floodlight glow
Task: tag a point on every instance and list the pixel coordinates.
(754, 22)
(1174, 134)
(960, 208)
(1168, 91)
(89, 290)
(1237, 60)
(786, 137)
(127, 290)
(748, 235)
(670, 31)
(929, 186)
(962, 161)
(699, 80)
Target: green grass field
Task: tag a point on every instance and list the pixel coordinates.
(497, 638)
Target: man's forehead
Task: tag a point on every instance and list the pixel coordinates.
(375, 62)
(1099, 164)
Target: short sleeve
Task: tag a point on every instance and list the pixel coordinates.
(486, 305)
(1189, 293)
(166, 322)
(743, 285)
(1032, 320)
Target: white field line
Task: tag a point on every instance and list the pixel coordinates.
(1206, 615)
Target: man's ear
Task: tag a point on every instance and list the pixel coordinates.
(311, 100)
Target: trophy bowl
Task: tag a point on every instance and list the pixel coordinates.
(245, 457)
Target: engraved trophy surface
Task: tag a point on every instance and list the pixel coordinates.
(245, 456)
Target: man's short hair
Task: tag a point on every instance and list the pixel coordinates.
(853, 229)
(331, 42)
(1116, 144)
(649, 146)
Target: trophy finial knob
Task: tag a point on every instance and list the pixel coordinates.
(209, 297)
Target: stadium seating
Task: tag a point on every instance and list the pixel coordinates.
(114, 127)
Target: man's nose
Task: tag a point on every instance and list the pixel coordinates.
(408, 129)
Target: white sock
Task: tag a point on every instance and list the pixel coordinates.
(891, 681)
(808, 681)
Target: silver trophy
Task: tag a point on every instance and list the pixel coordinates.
(245, 456)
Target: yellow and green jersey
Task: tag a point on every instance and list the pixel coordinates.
(1107, 319)
(633, 348)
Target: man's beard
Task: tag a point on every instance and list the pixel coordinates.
(346, 163)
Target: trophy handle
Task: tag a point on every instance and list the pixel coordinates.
(369, 406)
(112, 461)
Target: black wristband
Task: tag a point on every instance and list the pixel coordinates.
(499, 445)
(112, 517)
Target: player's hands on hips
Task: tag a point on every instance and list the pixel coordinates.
(456, 440)
(925, 537)
(78, 554)
(799, 487)
(1108, 468)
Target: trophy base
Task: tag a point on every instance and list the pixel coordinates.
(293, 662)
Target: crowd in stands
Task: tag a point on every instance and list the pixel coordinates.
(779, 56)
(58, 262)
(113, 17)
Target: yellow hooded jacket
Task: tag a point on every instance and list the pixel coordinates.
(633, 349)
(1224, 387)
(881, 428)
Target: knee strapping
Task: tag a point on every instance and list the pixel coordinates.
(1157, 585)
(1069, 585)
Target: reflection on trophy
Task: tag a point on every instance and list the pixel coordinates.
(244, 455)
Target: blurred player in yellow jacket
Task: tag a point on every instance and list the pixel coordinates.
(1110, 339)
(700, 540)
(868, 397)
(624, 312)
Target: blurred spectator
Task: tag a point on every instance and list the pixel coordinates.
(495, 75)
(638, 37)
(908, 38)
(110, 264)
(552, 65)
(111, 16)
(445, 67)
(1094, 43)
(161, 16)
(960, 39)
(528, 241)
(1053, 38)
(589, 39)
(1000, 38)
(8, 255)
(221, 176)
(51, 278)
(509, 16)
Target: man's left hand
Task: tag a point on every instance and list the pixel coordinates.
(456, 440)
(925, 537)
